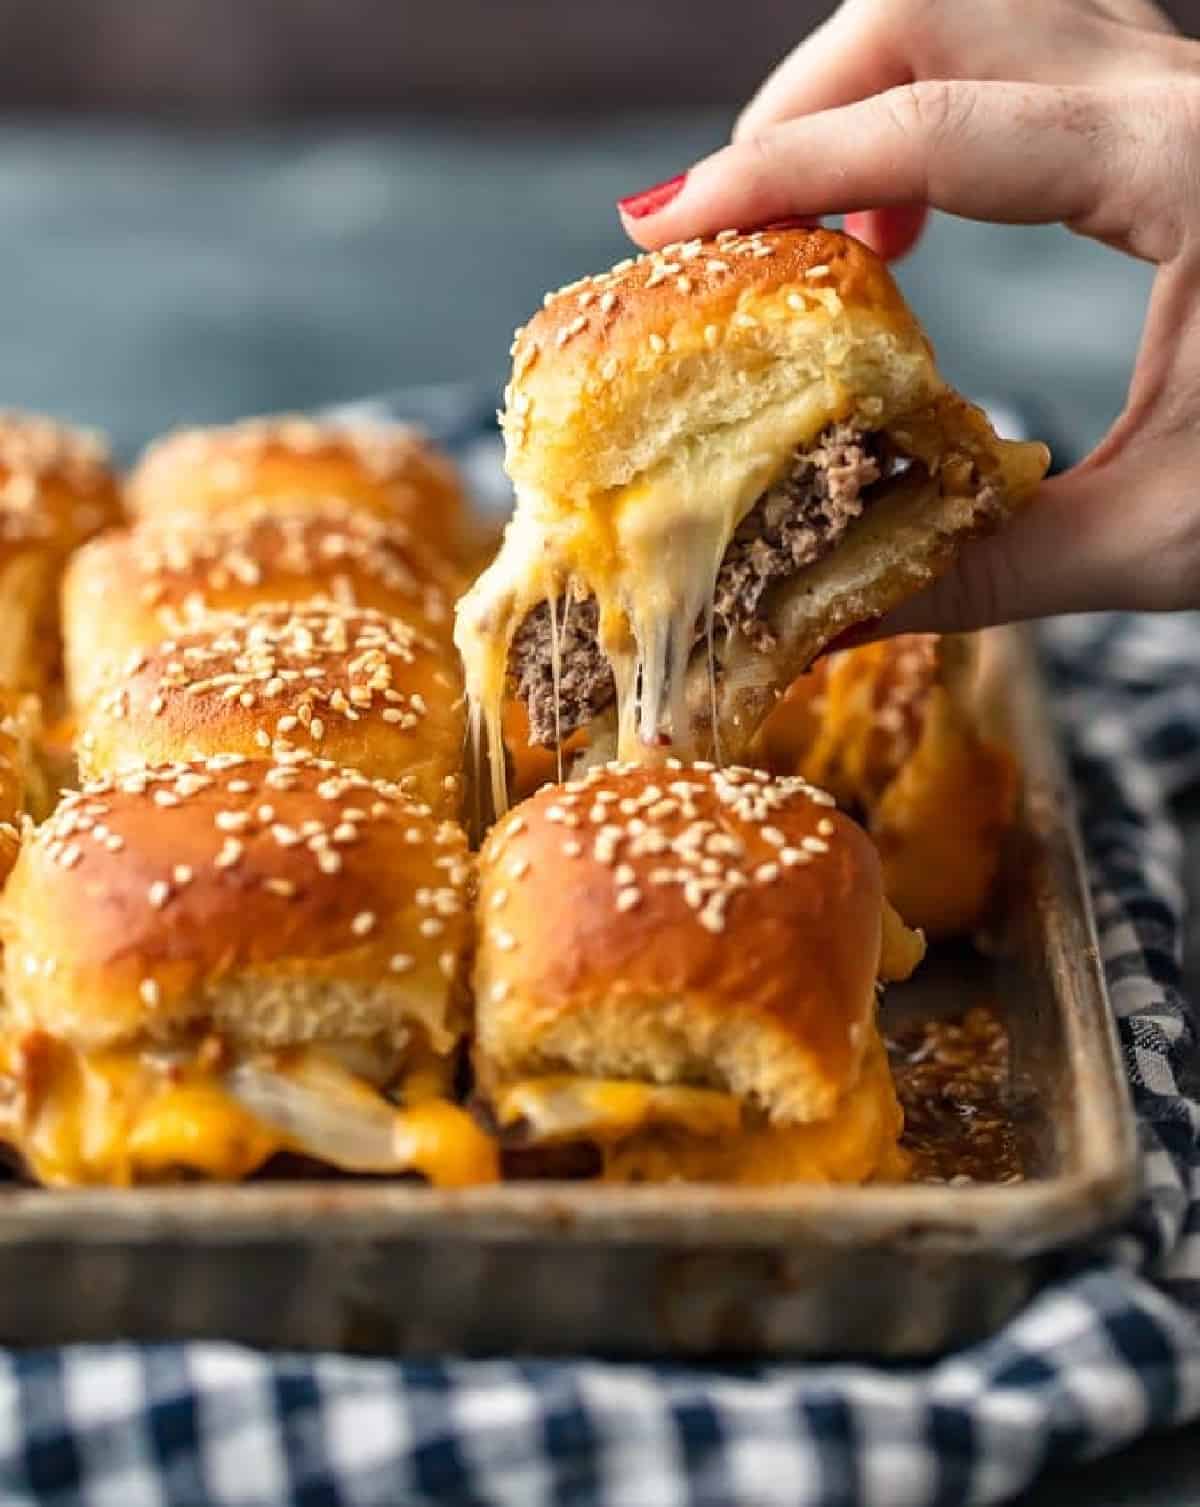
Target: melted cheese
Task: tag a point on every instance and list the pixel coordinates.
(122, 1117)
(649, 552)
(661, 1134)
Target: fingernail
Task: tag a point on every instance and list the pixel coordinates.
(795, 223)
(651, 200)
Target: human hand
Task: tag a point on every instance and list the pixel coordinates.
(1080, 111)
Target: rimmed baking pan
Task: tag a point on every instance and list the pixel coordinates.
(681, 1270)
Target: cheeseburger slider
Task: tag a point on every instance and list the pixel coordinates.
(889, 729)
(724, 453)
(389, 470)
(56, 490)
(131, 589)
(348, 684)
(210, 963)
(677, 967)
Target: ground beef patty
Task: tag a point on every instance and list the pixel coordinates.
(793, 525)
(585, 680)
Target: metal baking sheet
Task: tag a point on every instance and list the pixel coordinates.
(668, 1271)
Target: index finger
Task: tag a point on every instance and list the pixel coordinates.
(1012, 153)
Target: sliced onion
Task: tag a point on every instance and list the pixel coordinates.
(349, 1129)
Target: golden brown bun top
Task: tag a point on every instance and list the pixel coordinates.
(17, 721)
(351, 684)
(723, 894)
(141, 891)
(608, 341)
(277, 552)
(275, 661)
(391, 469)
(56, 483)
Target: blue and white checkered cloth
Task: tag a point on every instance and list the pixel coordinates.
(1106, 1353)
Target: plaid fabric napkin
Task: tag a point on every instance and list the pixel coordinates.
(1110, 1350)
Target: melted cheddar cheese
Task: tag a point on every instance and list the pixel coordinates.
(122, 1117)
(649, 1133)
(649, 552)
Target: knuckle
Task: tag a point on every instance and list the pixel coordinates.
(929, 109)
(761, 154)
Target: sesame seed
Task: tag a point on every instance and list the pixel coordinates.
(182, 874)
(504, 940)
(363, 923)
(150, 992)
(285, 888)
(519, 868)
(159, 893)
(328, 861)
(400, 962)
(628, 898)
(230, 854)
(825, 827)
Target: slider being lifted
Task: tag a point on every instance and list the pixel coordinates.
(211, 963)
(677, 971)
(724, 453)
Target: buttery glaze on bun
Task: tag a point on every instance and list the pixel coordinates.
(135, 587)
(57, 489)
(889, 729)
(351, 685)
(18, 728)
(212, 962)
(680, 966)
(387, 469)
(744, 439)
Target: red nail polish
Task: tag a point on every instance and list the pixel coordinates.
(651, 200)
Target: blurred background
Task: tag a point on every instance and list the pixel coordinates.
(214, 207)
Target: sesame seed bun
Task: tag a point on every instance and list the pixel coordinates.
(682, 926)
(132, 588)
(617, 370)
(57, 489)
(389, 470)
(651, 408)
(18, 726)
(275, 904)
(350, 685)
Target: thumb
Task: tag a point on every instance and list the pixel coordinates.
(1069, 550)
